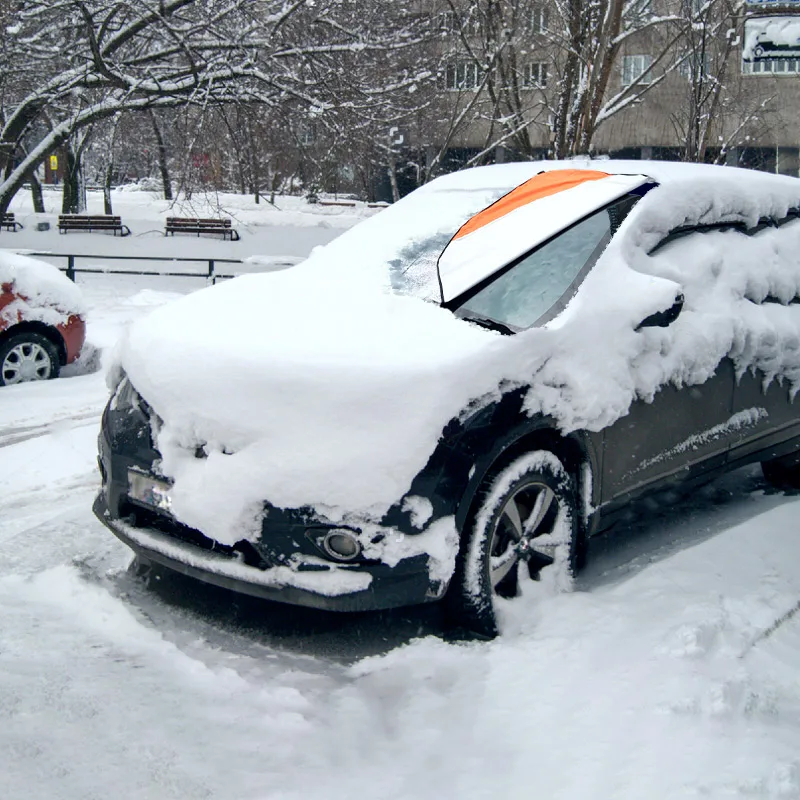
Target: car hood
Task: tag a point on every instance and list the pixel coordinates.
(302, 390)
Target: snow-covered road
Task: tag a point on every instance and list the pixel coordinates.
(643, 683)
(654, 679)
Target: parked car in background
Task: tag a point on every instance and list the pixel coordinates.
(42, 327)
(460, 392)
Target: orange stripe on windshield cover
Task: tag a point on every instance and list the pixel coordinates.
(542, 185)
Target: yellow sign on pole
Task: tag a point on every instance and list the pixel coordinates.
(54, 163)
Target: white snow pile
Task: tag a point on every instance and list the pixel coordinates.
(328, 385)
(43, 293)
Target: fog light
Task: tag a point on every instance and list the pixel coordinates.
(341, 545)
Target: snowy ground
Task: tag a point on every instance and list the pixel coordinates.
(655, 679)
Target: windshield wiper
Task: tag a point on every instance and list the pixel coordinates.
(491, 324)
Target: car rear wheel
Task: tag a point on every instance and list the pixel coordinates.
(27, 357)
(527, 521)
(783, 472)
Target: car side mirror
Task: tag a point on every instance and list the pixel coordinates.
(662, 319)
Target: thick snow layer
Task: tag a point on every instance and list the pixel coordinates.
(43, 292)
(291, 383)
(300, 382)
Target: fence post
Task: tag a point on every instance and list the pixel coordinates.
(211, 276)
(71, 268)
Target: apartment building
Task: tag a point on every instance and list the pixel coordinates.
(696, 79)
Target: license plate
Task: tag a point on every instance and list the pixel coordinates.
(149, 491)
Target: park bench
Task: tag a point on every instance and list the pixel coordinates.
(88, 222)
(348, 203)
(10, 223)
(198, 225)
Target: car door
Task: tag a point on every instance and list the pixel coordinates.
(683, 433)
(768, 413)
(769, 418)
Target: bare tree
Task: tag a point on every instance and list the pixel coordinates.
(124, 57)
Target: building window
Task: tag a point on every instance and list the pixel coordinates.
(461, 75)
(453, 22)
(696, 66)
(449, 22)
(306, 135)
(698, 7)
(534, 75)
(539, 20)
(775, 66)
(635, 69)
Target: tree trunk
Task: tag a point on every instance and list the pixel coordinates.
(36, 193)
(392, 169)
(70, 190)
(161, 150)
(107, 206)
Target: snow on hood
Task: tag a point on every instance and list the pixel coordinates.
(303, 393)
(321, 386)
(41, 287)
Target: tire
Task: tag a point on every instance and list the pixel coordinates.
(528, 512)
(28, 357)
(784, 473)
(758, 51)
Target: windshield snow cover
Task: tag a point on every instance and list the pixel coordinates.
(319, 386)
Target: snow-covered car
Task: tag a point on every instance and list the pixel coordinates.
(42, 326)
(480, 378)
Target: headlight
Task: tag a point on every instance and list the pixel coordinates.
(125, 397)
(149, 491)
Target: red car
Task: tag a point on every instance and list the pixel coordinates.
(42, 325)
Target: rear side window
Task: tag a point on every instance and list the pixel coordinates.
(530, 291)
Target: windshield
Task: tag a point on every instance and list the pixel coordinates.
(397, 249)
(528, 292)
(413, 269)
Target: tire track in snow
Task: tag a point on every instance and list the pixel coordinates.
(16, 434)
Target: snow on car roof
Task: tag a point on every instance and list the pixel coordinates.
(398, 249)
(41, 285)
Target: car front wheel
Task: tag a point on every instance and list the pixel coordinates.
(27, 357)
(527, 521)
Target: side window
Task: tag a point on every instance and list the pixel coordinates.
(529, 292)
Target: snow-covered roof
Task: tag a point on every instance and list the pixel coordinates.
(40, 287)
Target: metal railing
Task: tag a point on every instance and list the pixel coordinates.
(210, 275)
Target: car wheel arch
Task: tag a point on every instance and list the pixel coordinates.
(48, 331)
(574, 450)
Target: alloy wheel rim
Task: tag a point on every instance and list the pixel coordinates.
(528, 514)
(28, 361)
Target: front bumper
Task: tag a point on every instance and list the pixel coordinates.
(362, 587)
(73, 332)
